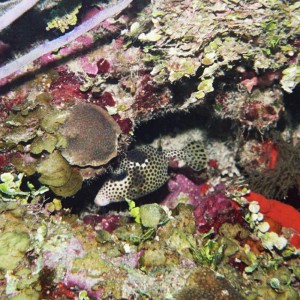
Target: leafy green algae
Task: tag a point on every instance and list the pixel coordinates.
(206, 40)
(13, 246)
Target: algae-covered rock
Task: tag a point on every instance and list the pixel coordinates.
(233, 230)
(185, 217)
(231, 246)
(103, 237)
(20, 134)
(152, 215)
(25, 164)
(181, 241)
(22, 125)
(13, 246)
(153, 258)
(91, 264)
(209, 284)
(129, 232)
(26, 278)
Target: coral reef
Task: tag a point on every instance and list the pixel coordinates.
(159, 254)
(161, 75)
(55, 141)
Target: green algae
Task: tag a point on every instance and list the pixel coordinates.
(27, 294)
(71, 187)
(53, 120)
(91, 264)
(56, 173)
(10, 186)
(64, 16)
(290, 78)
(13, 246)
(152, 215)
(46, 142)
(54, 169)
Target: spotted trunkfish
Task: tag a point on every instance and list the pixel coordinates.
(145, 169)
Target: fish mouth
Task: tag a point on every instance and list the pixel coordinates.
(101, 200)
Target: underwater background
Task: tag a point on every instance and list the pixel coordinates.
(149, 149)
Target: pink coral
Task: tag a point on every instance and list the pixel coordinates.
(210, 211)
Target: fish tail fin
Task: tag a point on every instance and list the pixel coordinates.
(179, 154)
(195, 155)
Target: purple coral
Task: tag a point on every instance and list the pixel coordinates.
(181, 185)
(210, 211)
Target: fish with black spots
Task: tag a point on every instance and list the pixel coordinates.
(145, 169)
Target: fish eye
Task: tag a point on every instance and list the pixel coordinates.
(119, 175)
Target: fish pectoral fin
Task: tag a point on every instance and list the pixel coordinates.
(138, 179)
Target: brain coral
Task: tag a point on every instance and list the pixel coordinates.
(91, 135)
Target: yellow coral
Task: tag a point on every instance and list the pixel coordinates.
(64, 22)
